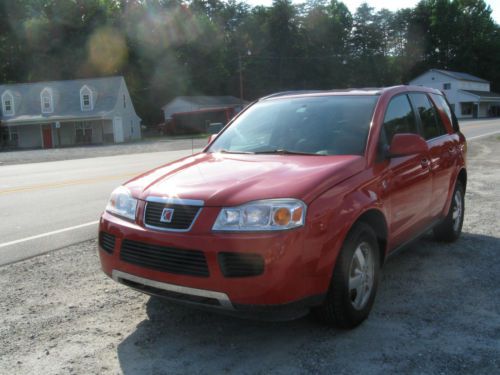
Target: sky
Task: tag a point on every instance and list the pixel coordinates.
(388, 4)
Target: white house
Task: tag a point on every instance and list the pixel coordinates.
(469, 96)
(65, 113)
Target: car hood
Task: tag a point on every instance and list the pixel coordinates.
(232, 179)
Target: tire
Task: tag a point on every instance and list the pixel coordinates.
(344, 305)
(451, 227)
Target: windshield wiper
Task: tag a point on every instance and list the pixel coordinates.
(224, 151)
(282, 151)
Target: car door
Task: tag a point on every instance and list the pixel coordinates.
(407, 179)
(442, 149)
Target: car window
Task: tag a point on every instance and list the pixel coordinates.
(432, 125)
(322, 125)
(441, 103)
(399, 118)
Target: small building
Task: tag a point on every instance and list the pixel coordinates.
(469, 96)
(193, 114)
(67, 113)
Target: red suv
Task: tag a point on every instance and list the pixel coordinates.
(294, 206)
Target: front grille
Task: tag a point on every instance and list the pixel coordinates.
(182, 217)
(107, 242)
(166, 259)
(240, 265)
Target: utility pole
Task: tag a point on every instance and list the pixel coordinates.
(241, 77)
(240, 67)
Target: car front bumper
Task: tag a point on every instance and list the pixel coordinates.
(286, 289)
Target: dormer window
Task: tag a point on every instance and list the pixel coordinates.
(47, 101)
(86, 100)
(7, 104)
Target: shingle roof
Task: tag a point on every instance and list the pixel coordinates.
(461, 76)
(66, 98)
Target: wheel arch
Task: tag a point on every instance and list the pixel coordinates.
(377, 221)
(462, 177)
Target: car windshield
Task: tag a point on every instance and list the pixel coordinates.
(319, 125)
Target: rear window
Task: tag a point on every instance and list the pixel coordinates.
(432, 125)
(442, 104)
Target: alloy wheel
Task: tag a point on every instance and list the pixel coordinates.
(361, 276)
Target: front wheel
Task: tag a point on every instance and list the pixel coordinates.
(451, 227)
(354, 281)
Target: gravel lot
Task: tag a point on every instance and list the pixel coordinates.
(92, 151)
(437, 312)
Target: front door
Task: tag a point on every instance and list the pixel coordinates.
(118, 130)
(407, 180)
(47, 136)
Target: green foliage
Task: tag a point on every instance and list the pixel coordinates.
(167, 48)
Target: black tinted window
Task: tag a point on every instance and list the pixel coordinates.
(441, 103)
(399, 118)
(432, 125)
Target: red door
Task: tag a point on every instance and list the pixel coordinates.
(47, 136)
(407, 180)
(442, 151)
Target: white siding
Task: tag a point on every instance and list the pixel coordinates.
(29, 136)
(476, 86)
(131, 123)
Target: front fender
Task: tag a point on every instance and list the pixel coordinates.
(332, 215)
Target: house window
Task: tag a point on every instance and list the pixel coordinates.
(83, 132)
(466, 108)
(47, 101)
(86, 99)
(14, 136)
(7, 104)
(9, 136)
(446, 86)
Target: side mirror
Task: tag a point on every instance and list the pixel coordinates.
(211, 137)
(406, 144)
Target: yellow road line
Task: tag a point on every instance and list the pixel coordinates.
(66, 183)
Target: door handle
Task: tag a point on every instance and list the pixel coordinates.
(425, 163)
(451, 150)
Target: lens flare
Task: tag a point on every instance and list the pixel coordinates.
(107, 50)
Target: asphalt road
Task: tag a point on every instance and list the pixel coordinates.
(51, 205)
(474, 129)
(46, 206)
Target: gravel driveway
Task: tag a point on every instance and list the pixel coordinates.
(437, 312)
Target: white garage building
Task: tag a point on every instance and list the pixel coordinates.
(66, 113)
(470, 96)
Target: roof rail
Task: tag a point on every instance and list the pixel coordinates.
(284, 93)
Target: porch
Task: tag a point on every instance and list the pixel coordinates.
(479, 104)
(58, 134)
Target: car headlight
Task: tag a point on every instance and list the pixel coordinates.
(122, 204)
(264, 215)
